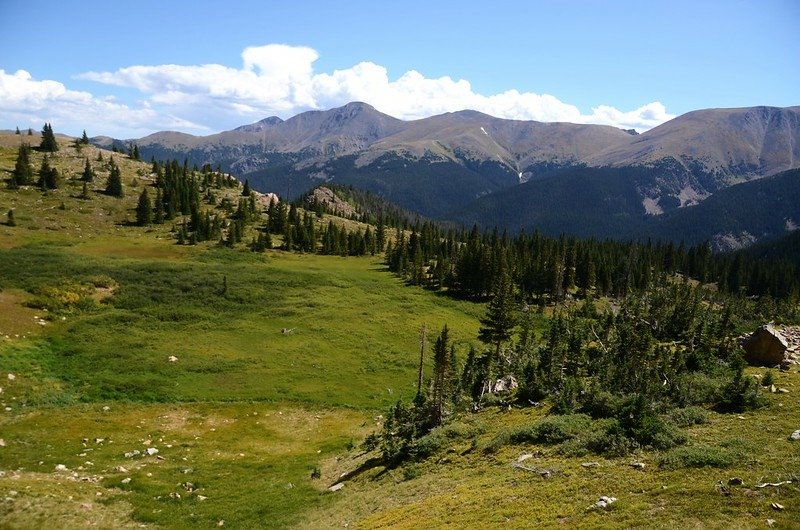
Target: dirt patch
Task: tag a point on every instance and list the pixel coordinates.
(15, 318)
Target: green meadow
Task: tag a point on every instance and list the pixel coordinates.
(256, 376)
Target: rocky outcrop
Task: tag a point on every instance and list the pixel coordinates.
(768, 346)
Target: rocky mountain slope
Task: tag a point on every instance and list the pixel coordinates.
(440, 165)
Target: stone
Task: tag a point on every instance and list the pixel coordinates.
(172, 359)
(61, 467)
(524, 457)
(637, 465)
(795, 436)
(121, 469)
(766, 346)
(131, 454)
(106, 408)
(336, 487)
(126, 480)
(776, 506)
(201, 498)
(603, 502)
(11, 377)
(2, 443)
(150, 451)
(590, 464)
(783, 391)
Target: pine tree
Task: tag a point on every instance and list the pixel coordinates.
(158, 208)
(114, 183)
(246, 191)
(49, 144)
(84, 138)
(500, 318)
(144, 209)
(11, 221)
(17, 131)
(23, 171)
(88, 172)
(48, 176)
(30, 131)
(85, 192)
(441, 376)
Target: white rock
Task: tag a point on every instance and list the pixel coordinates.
(603, 502)
(201, 498)
(795, 435)
(126, 480)
(173, 359)
(121, 469)
(106, 408)
(61, 467)
(336, 487)
(2, 443)
(11, 377)
(524, 457)
(150, 451)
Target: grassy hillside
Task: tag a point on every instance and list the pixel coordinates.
(244, 416)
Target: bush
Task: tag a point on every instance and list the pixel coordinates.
(551, 430)
(608, 438)
(601, 404)
(698, 456)
(688, 416)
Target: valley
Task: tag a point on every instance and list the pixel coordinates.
(149, 383)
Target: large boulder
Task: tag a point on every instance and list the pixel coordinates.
(766, 346)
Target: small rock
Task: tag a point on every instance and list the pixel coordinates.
(590, 464)
(2, 443)
(795, 435)
(603, 502)
(61, 467)
(524, 457)
(783, 391)
(776, 506)
(201, 498)
(770, 522)
(637, 465)
(174, 495)
(735, 481)
(221, 523)
(120, 469)
(86, 505)
(772, 389)
(336, 487)
(99, 440)
(11, 377)
(106, 408)
(150, 451)
(131, 454)
(173, 359)
(126, 480)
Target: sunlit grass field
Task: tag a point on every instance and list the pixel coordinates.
(248, 372)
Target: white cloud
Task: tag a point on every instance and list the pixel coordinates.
(278, 79)
(27, 102)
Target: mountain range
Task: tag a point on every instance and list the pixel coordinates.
(466, 166)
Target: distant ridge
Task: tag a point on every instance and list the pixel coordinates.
(440, 165)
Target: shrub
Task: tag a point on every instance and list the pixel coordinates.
(688, 416)
(698, 456)
(601, 404)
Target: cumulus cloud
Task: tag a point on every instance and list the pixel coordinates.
(278, 79)
(28, 102)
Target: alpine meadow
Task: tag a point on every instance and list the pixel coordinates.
(335, 287)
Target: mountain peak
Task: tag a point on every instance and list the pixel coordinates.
(261, 125)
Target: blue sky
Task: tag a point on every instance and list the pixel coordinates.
(129, 69)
